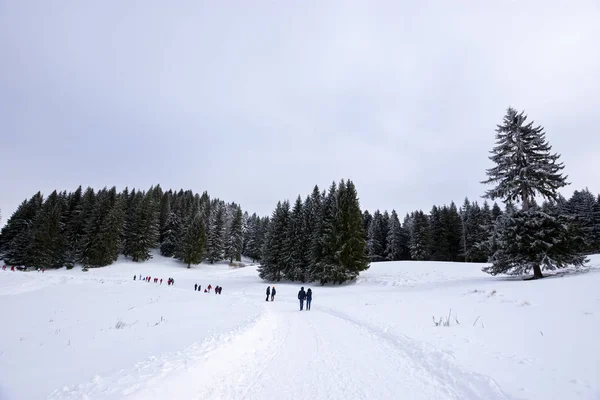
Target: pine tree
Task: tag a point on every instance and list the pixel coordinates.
(18, 232)
(104, 228)
(215, 246)
(171, 235)
(141, 230)
(420, 237)
(351, 254)
(385, 226)
(396, 240)
(293, 249)
(375, 242)
(235, 238)
(524, 168)
(272, 267)
(528, 238)
(165, 212)
(190, 249)
(439, 236)
(451, 220)
(47, 245)
(583, 208)
(316, 244)
(325, 268)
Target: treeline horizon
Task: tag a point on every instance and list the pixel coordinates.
(93, 228)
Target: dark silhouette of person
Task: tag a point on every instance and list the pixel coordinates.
(301, 297)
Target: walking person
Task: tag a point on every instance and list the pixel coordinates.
(308, 299)
(273, 292)
(195, 287)
(268, 292)
(301, 297)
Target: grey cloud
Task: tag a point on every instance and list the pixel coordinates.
(259, 101)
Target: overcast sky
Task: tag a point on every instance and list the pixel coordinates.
(257, 101)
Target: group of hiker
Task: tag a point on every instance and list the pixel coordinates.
(13, 268)
(170, 281)
(302, 296)
(218, 289)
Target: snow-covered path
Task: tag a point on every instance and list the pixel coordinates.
(101, 335)
(285, 353)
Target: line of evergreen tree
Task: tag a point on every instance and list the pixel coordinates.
(320, 239)
(94, 228)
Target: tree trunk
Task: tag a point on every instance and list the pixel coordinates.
(537, 271)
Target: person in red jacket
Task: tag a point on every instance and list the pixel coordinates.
(209, 287)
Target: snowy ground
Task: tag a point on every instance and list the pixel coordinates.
(371, 340)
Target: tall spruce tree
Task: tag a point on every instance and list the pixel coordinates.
(235, 238)
(326, 267)
(272, 263)
(528, 239)
(375, 241)
(396, 240)
(350, 254)
(294, 252)
(47, 245)
(215, 246)
(190, 247)
(420, 237)
(585, 211)
(439, 236)
(18, 231)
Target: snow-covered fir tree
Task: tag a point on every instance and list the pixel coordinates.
(397, 240)
(528, 239)
(325, 268)
(439, 250)
(190, 247)
(18, 231)
(375, 238)
(47, 245)
(294, 250)
(584, 209)
(215, 245)
(350, 242)
(272, 263)
(235, 238)
(420, 237)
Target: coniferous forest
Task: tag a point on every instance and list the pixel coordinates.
(324, 237)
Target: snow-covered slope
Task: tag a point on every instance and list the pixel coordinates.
(101, 335)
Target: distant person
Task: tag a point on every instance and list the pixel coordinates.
(209, 287)
(195, 287)
(268, 292)
(216, 290)
(220, 290)
(205, 291)
(308, 299)
(199, 288)
(135, 276)
(161, 281)
(140, 277)
(273, 292)
(301, 297)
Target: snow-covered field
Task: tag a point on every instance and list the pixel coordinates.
(101, 335)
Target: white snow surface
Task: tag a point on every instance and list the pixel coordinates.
(70, 334)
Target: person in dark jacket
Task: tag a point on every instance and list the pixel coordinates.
(268, 292)
(301, 297)
(273, 291)
(308, 298)
(195, 287)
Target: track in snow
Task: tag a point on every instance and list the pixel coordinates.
(317, 354)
